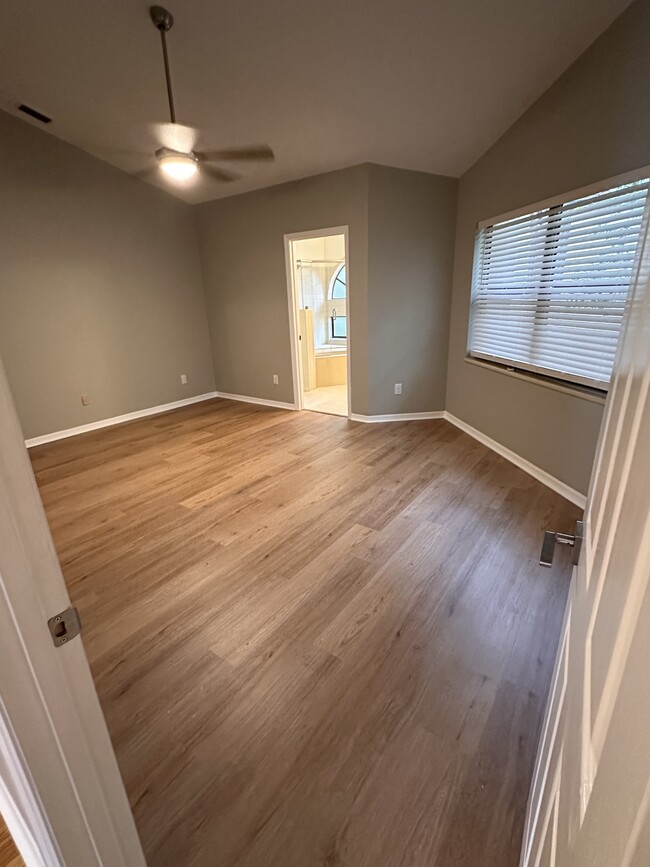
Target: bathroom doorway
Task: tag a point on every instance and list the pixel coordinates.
(319, 316)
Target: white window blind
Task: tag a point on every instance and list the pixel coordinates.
(549, 287)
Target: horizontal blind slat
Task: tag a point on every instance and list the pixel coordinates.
(549, 288)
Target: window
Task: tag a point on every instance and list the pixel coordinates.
(339, 325)
(549, 287)
(338, 288)
(337, 306)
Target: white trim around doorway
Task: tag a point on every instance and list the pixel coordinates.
(292, 301)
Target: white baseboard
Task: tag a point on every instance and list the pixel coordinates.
(398, 416)
(541, 475)
(117, 419)
(278, 404)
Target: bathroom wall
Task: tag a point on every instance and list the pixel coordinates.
(312, 277)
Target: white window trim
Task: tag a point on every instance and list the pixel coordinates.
(575, 390)
(581, 388)
(541, 371)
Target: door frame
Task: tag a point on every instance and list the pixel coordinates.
(292, 298)
(61, 793)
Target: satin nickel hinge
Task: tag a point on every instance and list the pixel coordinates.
(551, 539)
(64, 626)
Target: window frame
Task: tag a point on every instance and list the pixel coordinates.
(537, 372)
(333, 303)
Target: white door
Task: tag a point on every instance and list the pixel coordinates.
(590, 799)
(61, 794)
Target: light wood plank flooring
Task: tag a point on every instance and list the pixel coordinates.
(9, 856)
(315, 642)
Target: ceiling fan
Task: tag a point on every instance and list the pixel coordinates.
(181, 165)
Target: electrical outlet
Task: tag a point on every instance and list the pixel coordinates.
(85, 399)
(276, 379)
(398, 388)
(183, 379)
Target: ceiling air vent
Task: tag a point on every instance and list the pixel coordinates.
(33, 113)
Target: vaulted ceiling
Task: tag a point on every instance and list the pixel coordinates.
(417, 84)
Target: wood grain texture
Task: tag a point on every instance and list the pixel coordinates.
(9, 856)
(316, 642)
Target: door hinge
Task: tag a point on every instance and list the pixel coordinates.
(64, 626)
(551, 539)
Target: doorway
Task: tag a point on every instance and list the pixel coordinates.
(318, 289)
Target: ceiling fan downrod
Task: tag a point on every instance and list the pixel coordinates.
(163, 21)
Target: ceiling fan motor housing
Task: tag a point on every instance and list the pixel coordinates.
(162, 19)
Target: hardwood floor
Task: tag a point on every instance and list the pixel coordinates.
(9, 856)
(315, 642)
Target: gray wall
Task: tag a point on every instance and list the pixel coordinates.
(100, 287)
(242, 249)
(592, 124)
(401, 227)
(411, 226)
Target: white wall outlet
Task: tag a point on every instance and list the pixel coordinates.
(85, 399)
(183, 379)
(398, 388)
(276, 379)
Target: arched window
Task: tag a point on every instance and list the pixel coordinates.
(338, 285)
(337, 306)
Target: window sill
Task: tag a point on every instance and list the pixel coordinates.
(334, 349)
(579, 391)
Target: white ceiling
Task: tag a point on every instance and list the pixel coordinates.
(417, 84)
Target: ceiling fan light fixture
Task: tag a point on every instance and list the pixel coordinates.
(177, 166)
(179, 161)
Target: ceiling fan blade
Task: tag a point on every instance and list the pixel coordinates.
(257, 153)
(218, 174)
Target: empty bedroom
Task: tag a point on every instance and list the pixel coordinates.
(325, 434)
